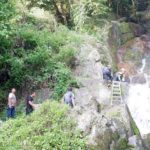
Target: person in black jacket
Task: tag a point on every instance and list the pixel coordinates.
(30, 106)
(107, 73)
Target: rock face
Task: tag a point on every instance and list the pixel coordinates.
(147, 140)
(121, 32)
(130, 54)
(136, 142)
(106, 127)
(132, 41)
(139, 79)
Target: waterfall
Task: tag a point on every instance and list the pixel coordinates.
(143, 65)
(139, 103)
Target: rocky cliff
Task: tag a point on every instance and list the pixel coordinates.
(106, 127)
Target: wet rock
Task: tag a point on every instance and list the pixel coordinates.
(139, 79)
(103, 125)
(137, 29)
(136, 143)
(123, 32)
(146, 140)
(120, 128)
(130, 55)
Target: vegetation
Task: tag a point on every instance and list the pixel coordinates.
(135, 128)
(47, 128)
(40, 53)
(123, 145)
(33, 57)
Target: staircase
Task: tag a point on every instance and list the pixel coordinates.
(116, 96)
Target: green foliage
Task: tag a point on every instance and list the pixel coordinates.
(135, 128)
(6, 13)
(123, 145)
(63, 81)
(60, 8)
(32, 58)
(67, 53)
(96, 7)
(124, 7)
(47, 128)
(89, 10)
(40, 58)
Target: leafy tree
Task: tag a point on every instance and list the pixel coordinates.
(60, 8)
(6, 14)
(124, 7)
(96, 7)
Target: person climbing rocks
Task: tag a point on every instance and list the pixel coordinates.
(120, 76)
(69, 98)
(107, 75)
(30, 106)
(12, 101)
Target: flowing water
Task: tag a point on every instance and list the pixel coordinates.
(139, 103)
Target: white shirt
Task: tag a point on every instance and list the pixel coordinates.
(12, 99)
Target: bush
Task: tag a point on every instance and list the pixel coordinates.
(47, 128)
(67, 55)
(63, 80)
(33, 57)
(41, 58)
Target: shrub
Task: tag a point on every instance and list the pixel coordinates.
(47, 128)
(67, 55)
(63, 80)
(40, 57)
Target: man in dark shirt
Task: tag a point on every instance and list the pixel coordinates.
(69, 98)
(107, 73)
(30, 106)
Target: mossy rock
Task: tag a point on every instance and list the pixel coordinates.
(126, 37)
(134, 56)
(125, 28)
(123, 144)
(120, 33)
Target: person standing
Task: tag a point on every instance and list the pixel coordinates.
(107, 73)
(12, 101)
(69, 98)
(120, 76)
(30, 106)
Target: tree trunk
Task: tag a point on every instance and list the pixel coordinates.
(63, 15)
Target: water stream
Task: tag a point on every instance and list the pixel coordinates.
(139, 103)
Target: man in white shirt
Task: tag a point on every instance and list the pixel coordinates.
(12, 101)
